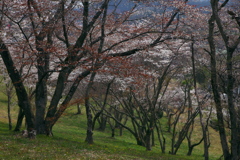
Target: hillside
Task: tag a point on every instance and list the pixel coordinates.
(68, 143)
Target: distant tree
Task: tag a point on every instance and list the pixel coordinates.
(143, 109)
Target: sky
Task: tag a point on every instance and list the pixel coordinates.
(199, 2)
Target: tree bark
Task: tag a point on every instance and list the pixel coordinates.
(148, 139)
(41, 86)
(41, 95)
(21, 92)
(216, 95)
(19, 120)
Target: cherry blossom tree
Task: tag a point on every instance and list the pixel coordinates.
(60, 42)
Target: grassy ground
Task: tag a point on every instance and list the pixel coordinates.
(68, 143)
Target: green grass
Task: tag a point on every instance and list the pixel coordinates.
(68, 143)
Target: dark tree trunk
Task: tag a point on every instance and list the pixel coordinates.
(161, 138)
(232, 111)
(169, 122)
(103, 123)
(153, 138)
(139, 141)
(40, 102)
(148, 140)
(89, 138)
(41, 86)
(205, 138)
(21, 92)
(190, 149)
(230, 44)
(113, 132)
(215, 90)
(120, 131)
(41, 91)
(79, 111)
(19, 120)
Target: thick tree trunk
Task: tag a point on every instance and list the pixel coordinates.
(40, 102)
(41, 90)
(21, 92)
(148, 140)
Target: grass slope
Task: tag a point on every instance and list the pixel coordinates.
(68, 143)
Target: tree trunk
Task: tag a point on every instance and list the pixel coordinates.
(79, 109)
(161, 138)
(215, 90)
(21, 92)
(9, 113)
(120, 131)
(153, 138)
(89, 138)
(19, 120)
(41, 90)
(40, 102)
(50, 117)
(232, 111)
(230, 47)
(113, 132)
(103, 123)
(55, 112)
(205, 138)
(148, 140)
(139, 141)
